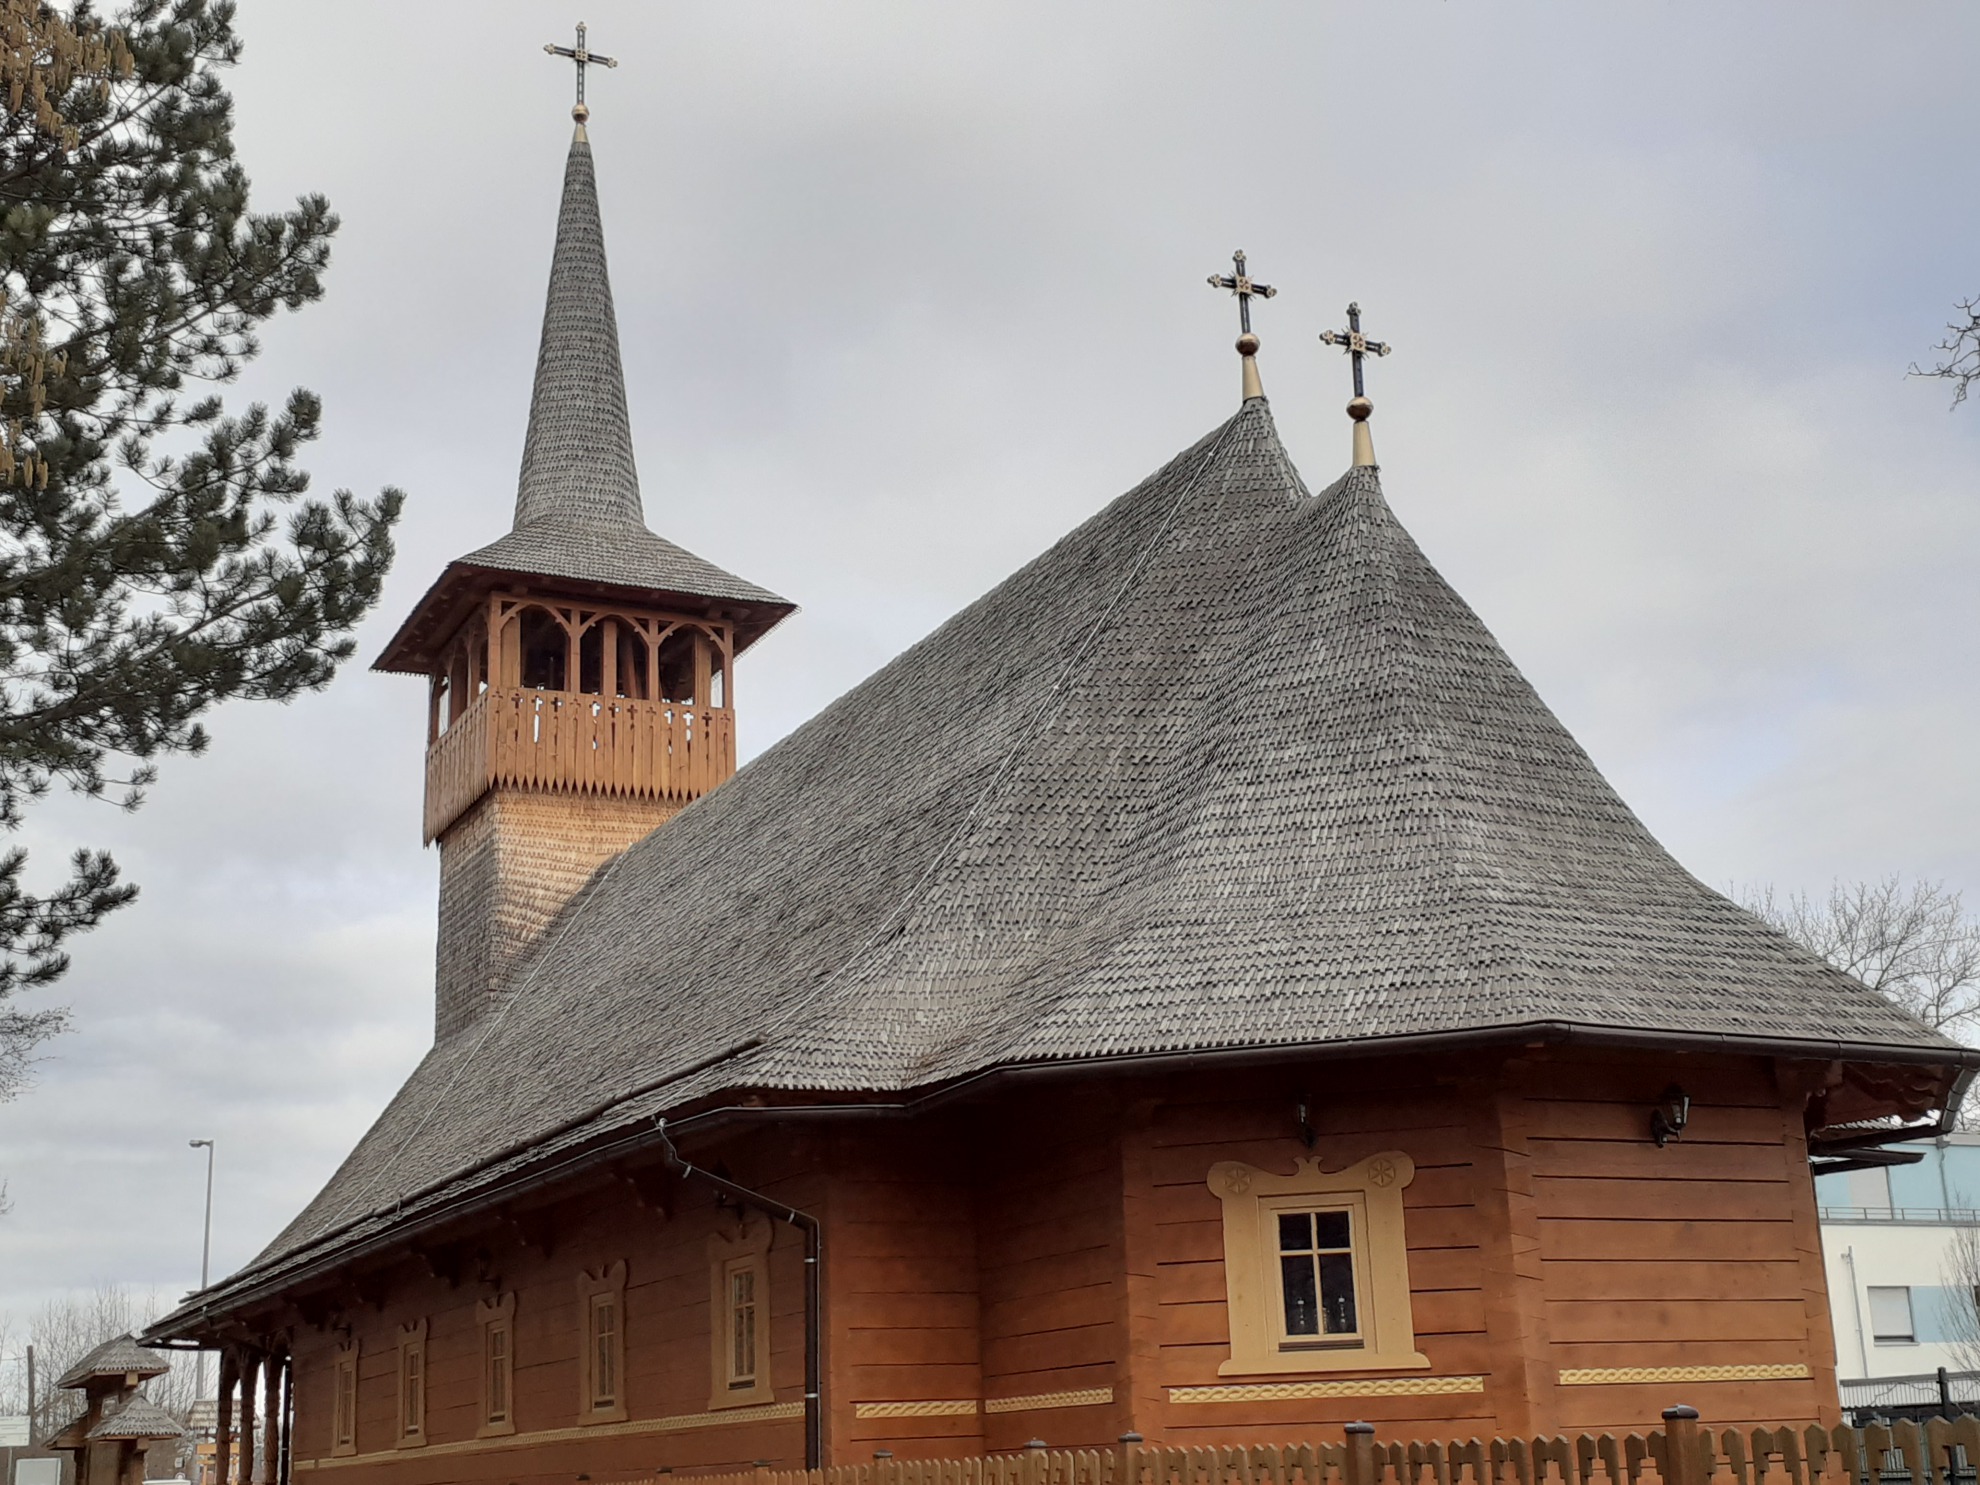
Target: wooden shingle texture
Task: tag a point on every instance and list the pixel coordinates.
(1230, 766)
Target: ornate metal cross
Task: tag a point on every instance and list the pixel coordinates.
(1356, 344)
(580, 55)
(1243, 287)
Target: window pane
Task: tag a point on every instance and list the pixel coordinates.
(605, 1323)
(498, 1380)
(1302, 1299)
(1890, 1313)
(742, 1327)
(1337, 1293)
(1295, 1232)
(1331, 1229)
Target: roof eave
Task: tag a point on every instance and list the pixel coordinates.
(1958, 1062)
(444, 607)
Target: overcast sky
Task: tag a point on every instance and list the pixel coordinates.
(907, 291)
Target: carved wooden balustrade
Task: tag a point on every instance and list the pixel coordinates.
(522, 736)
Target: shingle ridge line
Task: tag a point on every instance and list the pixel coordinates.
(1025, 735)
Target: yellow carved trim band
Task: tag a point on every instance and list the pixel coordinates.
(722, 1418)
(760, 1413)
(1595, 1376)
(1081, 1397)
(1360, 1387)
(955, 1407)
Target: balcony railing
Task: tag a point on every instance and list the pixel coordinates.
(1911, 1216)
(586, 744)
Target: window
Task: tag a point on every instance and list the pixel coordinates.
(1316, 1275)
(1869, 1190)
(742, 1323)
(497, 1318)
(602, 1301)
(343, 1404)
(412, 1384)
(739, 1315)
(1890, 1315)
(1316, 1279)
(604, 1351)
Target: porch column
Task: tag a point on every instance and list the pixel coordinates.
(223, 1423)
(250, 1365)
(271, 1414)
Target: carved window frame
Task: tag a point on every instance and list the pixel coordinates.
(1371, 1192)
(746, 1252)
(496, 1318)
(412, 1384)
(600, 1294)
(343, 1400)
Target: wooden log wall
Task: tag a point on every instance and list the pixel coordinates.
(662, 1236)
(1701, 1254)
(1047, 1263)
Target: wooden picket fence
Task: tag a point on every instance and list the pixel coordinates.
(1940, 1451)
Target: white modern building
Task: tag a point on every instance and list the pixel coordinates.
(1902, 1303)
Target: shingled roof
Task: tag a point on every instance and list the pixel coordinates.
(578, 512)
(1229, 767)
(138, 1419)
(120, 1356)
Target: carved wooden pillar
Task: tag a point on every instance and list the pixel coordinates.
(608, 657)
(223, 1423)
(703, 665)
(286, 1451)
(271, 1415)
(250, 1366)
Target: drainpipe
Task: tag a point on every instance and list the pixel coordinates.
(1856, 1309)
(814, 1310)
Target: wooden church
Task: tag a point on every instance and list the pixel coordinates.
(1200, 992)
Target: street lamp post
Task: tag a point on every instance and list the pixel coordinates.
(205, 1244)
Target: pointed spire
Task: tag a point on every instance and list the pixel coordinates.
(577, 464)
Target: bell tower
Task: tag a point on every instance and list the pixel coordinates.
(580, 669)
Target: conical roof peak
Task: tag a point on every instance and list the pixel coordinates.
(577, 463)
(578, 514)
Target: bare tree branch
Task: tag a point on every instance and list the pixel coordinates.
(1961, 352)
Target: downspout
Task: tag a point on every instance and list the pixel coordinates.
(814, 1242)
(1856, 1309)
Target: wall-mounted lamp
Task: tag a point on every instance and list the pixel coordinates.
(1672, 1113)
